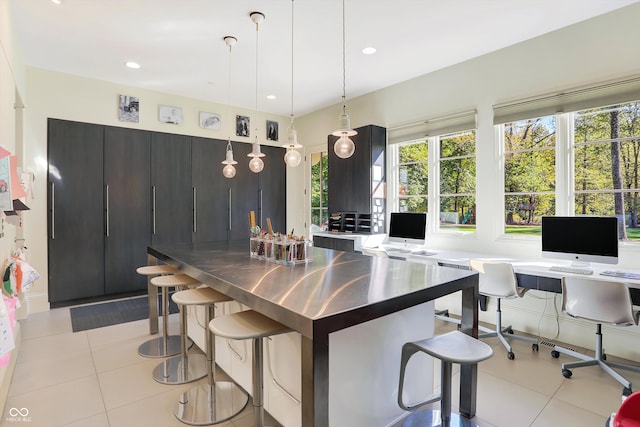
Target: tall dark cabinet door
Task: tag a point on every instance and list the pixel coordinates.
(209, 190)
(127, 180)
(75, 210)
(171, 188)
(272, 193)
(242, 194)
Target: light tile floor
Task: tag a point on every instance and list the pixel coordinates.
(95, 378)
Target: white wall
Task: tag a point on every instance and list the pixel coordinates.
(590, 52)
(11, 85)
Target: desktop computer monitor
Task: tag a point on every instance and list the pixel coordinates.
(581, 239)
(408, 228)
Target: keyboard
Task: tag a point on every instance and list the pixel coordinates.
(621, 274)
(572, 270)
(394, 250)
(423, 253)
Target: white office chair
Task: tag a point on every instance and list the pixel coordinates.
(498, 280)
(601, 302)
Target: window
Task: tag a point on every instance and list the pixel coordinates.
(319, 189)
(455, 175)
(413, 173)
(458, 181)
(606, 148)
(529, 173)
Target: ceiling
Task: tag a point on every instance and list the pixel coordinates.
(180, 47)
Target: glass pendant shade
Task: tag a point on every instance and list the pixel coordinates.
(256, 164)
(292, 158)
(229, 171)
(344, 147)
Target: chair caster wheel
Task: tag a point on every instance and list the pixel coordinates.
(566, 373)
(534, 347)
(510, 331)
(511, 355)
(555, 354)
(626, 392)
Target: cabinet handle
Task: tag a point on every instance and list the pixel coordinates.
(107, 206)
(153, 209)
(53, 211)
(260, 206)
(229, 206)
(194, 209)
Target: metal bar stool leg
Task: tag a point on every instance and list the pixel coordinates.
(183, 368)
(214, 401)
(165, 345)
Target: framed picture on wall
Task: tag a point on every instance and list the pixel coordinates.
(168, 114)
(272, 130)
(242, 126)
(210, 120)
(129, 109)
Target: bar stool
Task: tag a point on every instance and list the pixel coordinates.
(186, 368)
(150, 271)
(166, 345)
(214, 401)
(452, 347)
(250, 325)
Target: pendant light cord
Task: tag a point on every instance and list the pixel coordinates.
(291, 60)
(344, 60)
(229, 101)
(256, 125)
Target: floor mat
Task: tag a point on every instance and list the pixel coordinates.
(113, 312)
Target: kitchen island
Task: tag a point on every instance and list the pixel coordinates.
(327, 297)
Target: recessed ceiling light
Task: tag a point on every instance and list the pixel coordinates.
(56, 1)
(132, 64)
(369, 50)
(271, 97)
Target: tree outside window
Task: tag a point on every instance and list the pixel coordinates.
(319, 189)
(458, 182)
(530, 174)
(413, 173)
(606, 150)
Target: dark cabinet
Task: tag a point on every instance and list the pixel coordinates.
(76, 224)
(358, 183)
(171, 192)
(114, 191)
(272, 192)
(210, 195)
(242, 194)
(127, 207)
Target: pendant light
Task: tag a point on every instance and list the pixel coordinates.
(292, 156)
(344, 146)
(229, 171)
(256, 164)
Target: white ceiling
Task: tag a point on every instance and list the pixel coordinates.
(179, 43)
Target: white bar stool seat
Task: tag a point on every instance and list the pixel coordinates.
(250, 325)
(166, 345)
(186, 368)
(452, 347)
(152, 291)
(214, 401)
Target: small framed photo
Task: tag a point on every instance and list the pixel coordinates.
(168, 114)
(242, 125)
(272, 130)
(129, 109)
(210, 120)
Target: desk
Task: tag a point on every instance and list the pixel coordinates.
(532, 274)
(336, 291)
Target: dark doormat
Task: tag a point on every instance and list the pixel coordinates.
(114, 312)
